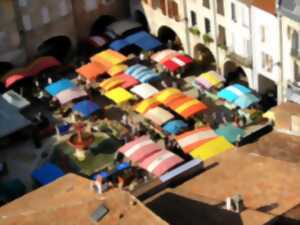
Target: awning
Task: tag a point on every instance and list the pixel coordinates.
(108, 58)
(86, 108)
(139, 149)
(111, 83)
(210, 79)
(160, 162)
(232, 92)
(119, 95)
(47, 173)
(142, 73)
(164, 55)
(15, 99)
(191, 140)
(91, 71)
(129, 81)
(230, 132)
(167, 95)
(97, 41)
(246, 100)
(143, 40)
(117, 69)
(144, 90)
(158, 115)
(175, 127)
(11, 119)
(70, 94)
(58, 86)
(212, 148)
(119, 44)
(177, 62)
(186, 106)
(122, 26)
(145, 105)
(39, 65)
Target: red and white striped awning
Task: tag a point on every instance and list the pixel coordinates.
(160, 162)
(139, 148)
(191, 140)
(177, 62)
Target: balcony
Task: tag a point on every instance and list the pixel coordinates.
(295, 53)
(239, 59)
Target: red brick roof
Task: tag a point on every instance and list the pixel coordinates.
(266, 5)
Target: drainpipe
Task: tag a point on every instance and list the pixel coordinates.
(280, 84)
(186, 27)
(216, 36)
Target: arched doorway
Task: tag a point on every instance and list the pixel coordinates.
(234, 73)
(141, 18)
(268, 90)
(101, 23)
(204, 56)
(169, 37)
(58, 46)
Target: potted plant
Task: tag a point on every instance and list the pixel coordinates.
(195, 31)
(223, 46)
(207, 38)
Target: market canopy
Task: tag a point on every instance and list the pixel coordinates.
(47, 173)
(58, 86)
(91, 71)
(144, 90)
(158, 115)
(175, 127)
(108, 58)
(39, 65)
(143, 40)
(232, 92)
(128, 81)
(119, 44)
(246, 100)
(111, 83)
(11, 119)
(167, 95)
(145, 105)
(119, 95)
(122, 26)
(70, 95)
(177, 62)
(139, 149)
(210, 79)
(97, 41)
(211, 148)
(15, 99)
(230, 132)
(191, 140)
(142, 73)
(117, 69)
(186, 106)
(160, 162)
(86, 108)
(164, 55)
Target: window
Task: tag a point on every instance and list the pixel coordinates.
(193, 18)
(3, 40)
(296, 43)
(45, 15)
(297, 71)
(220, 7)
(170, 9)
(90, 5)
(245, 16)
(163, 7)
(233, 12)
(262, 33)
(155, 4)
(207, 25)
(206, 3)
(222, 36)
(22, 3)
(267, 62)
(63, 8)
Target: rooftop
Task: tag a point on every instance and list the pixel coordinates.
(290, 8)
(268, 6)
(69, 201)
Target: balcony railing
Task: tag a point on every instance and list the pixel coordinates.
(239, 59)
(295, 53)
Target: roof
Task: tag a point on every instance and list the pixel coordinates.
(69, 201)
(290, 8)
(268, 6)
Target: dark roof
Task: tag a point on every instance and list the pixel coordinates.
(290, 8)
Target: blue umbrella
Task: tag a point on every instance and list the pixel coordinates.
(86, 108)
(246, 100)
(59, 86)
(230, 132)
(175, 127)
(47, 173)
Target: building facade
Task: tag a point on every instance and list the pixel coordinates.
(27, 24)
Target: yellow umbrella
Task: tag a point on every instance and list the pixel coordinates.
(119, 95)
(212, 148)
(111, 83)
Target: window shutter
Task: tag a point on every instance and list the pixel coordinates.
(175, 11)
(163, 7)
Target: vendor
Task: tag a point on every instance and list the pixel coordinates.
(100, 185)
